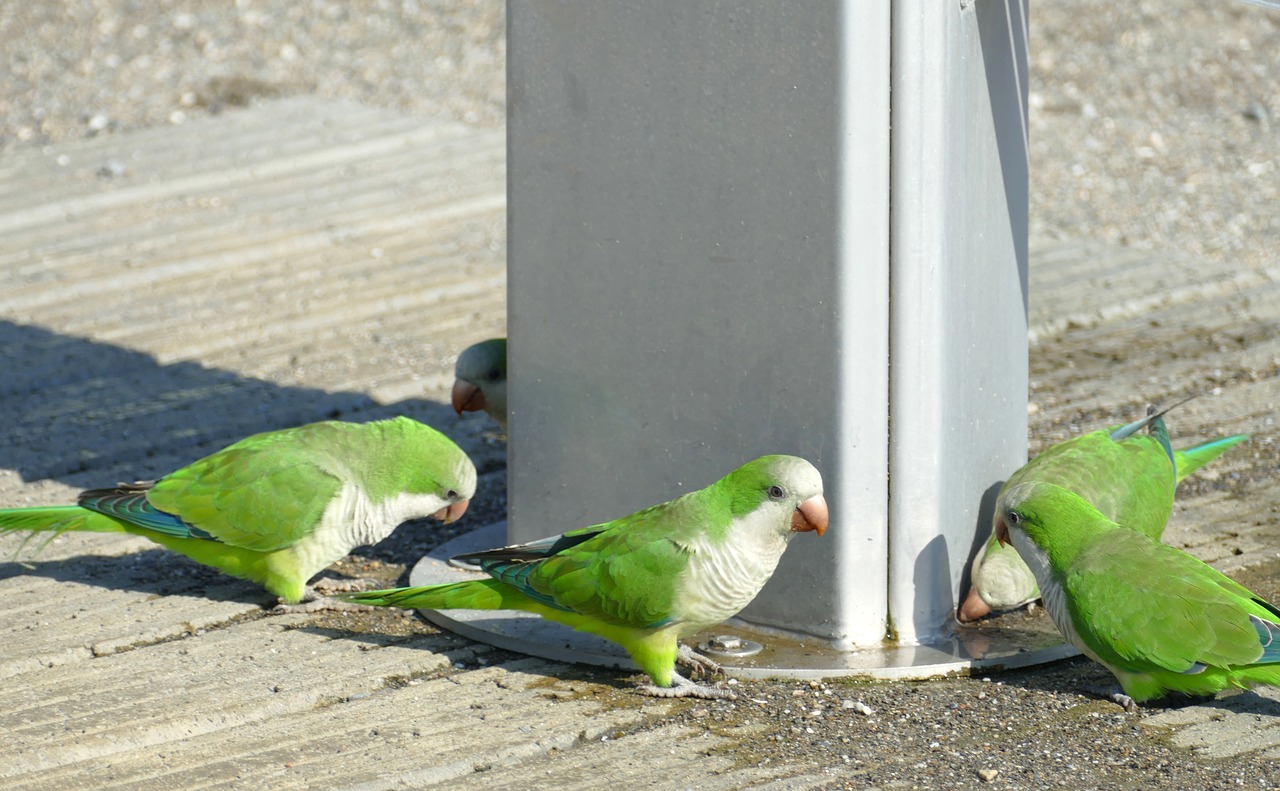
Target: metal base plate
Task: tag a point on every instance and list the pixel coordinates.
(1018, 641)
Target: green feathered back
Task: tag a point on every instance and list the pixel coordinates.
(265, 492)
(1158, 617)
(1130, 481)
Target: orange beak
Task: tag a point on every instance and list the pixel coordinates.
(452, 512)
(466, 397)
(973, 608)
(810, 515)
(1002, 532)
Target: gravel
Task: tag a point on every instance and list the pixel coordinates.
(1157, 125)
(1153, 125)
(81, 68)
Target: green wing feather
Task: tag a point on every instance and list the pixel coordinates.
(624, 577)
(265, 492)
(1130, 481)
(622, 572)
(1166, 610)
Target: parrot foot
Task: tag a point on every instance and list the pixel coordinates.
(697, 663)
(682, 687)
(1115, 696)
(1128, 703)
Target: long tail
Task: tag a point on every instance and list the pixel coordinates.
(653, 651)
(1152, 416)
(487, 594)
(54, 521)
(1193, 458)
(1186, 460)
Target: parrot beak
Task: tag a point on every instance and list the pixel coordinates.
(452, 512)
(1002, 532)
(973, 608)
(810, 515)
(466, 397)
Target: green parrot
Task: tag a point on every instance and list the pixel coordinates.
(1159, 619)
(481, 380)
(647, 580)
(1129, 477)
(277, 508)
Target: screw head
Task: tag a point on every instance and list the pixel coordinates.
(730, 645)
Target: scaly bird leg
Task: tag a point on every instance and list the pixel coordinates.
(1116, 696)
(682, 687)
(697, 663)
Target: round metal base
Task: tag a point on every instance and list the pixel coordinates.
(1019, 640)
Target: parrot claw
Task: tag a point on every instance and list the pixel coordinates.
(1115, 696)
(1124, 700)
(697, 663)
(682, 687)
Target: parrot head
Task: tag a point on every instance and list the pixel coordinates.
(1023, 510)
(787, 486)
(455, 487)
(1044, 520)
(481, 380)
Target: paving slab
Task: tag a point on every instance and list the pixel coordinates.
(303, 259)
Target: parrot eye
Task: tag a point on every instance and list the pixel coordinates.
(776, 492)
(451, 494)
(493, 375)
(1012, 518)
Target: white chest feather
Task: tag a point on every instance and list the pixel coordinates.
(722, 577)
(352, 520)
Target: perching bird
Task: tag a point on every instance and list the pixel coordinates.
(647, 580)
(1159, 619)
(276, 508)
(481, 380)
(1128, 476)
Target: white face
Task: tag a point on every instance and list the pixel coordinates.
(1009, 523)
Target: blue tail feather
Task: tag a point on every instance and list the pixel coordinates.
(129, 504)
(1269, 637)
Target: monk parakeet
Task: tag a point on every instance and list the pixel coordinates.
(279, 507)
(481, 380)
(646, 580)
(1128, 476)
(1158, 618)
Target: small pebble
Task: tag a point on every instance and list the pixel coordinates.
(987, 775)
(112, 168)
(858, 706)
